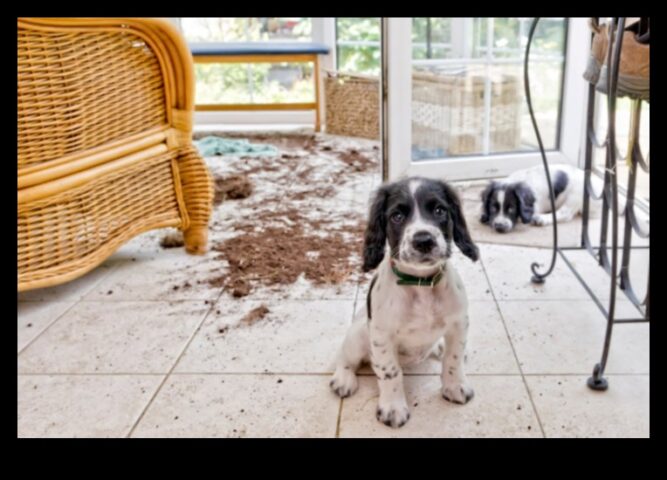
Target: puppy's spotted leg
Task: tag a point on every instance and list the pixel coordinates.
(392, 407)
(353, 351)
(438, 349)
(454, 384)
(563, 214)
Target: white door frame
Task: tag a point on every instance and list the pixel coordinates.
(398, 92)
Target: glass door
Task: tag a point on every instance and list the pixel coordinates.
(454, 94)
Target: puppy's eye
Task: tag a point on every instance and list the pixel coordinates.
(397, 217)
(439, 211)
(510, 209)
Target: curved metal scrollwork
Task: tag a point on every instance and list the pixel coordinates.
(540, 277)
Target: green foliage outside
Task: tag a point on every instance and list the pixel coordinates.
(234, 83)
(237, 83)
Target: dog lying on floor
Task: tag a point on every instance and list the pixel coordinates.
(524, 195)
(416, 304)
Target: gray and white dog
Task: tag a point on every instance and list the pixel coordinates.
(524, 196)
(416, 304)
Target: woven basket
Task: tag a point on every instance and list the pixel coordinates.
(104, 143)
(352, 105)
(448, 112)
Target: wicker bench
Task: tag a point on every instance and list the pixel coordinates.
(104, 143)
(255, 52)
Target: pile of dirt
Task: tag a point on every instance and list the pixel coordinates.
(232, 187)
(282, 240)
(277, 255)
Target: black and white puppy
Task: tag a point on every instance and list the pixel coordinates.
(524, 195)
(416, 303)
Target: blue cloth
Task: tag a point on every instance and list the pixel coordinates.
(419, 153)
(209, 146)
(257, 48)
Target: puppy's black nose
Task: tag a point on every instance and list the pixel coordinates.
(423, 242)
(501, 228)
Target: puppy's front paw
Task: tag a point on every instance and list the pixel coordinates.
(344, 382)
(394, 414)
(458, 393)
(539, 220)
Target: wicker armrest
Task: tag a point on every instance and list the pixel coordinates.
(104, 143)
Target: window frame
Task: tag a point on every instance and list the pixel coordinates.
(398, 109)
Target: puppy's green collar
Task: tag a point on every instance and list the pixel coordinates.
(407, 279)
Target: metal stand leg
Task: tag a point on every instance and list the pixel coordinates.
(609, 197)
(540, 277)
(596, 381)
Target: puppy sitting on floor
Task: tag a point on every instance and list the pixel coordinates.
(524, 195)
(416, 304)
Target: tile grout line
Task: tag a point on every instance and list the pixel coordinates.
(178, 358)
(74, 304)
(516, 357)
(341, 400)
(311, 374)
(340, 415)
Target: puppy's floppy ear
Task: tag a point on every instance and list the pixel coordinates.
(486, 195)
(526, 201)
(376, 231)
(460, 229)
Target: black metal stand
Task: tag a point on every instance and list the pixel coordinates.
(609, 197)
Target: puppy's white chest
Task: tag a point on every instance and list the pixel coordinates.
(424, 323)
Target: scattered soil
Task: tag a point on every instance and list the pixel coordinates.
(172, 240)
(278, 255)
(356, 160)
(282, 240)
(255, 314)
(232, 187)
(313, 193)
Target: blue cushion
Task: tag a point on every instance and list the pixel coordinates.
(257, 48)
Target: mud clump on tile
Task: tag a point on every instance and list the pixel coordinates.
(172, 240)
(232, 187)
(240, 288)
(355, 159)
(255, 315)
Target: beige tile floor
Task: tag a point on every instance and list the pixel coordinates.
(94, 365)
(146, 360)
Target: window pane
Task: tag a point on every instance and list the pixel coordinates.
(254, 83)
(251, 83)
(358, 29)
(358, 45)
(247, 29)
(359, 59)
(623, 116)
(431, 38)
(468, 97)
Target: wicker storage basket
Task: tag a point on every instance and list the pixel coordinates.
(104, 143)
(352, 104)
(448, 112)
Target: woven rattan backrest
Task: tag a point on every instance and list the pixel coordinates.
(80, 88)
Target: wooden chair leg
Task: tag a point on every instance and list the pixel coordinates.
(197, 188)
